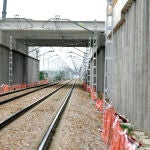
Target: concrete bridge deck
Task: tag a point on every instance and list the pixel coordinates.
(53, 32)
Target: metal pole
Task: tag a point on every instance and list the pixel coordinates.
(11, 61)
(43, 66)
(4, 9)
(37, 66)
(108, 52)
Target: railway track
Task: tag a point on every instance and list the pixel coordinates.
(45, 142)
(20, 105)
(8, 97)
(33, 121)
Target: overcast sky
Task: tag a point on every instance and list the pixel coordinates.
(67, 9)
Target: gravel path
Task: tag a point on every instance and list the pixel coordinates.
(78, 129)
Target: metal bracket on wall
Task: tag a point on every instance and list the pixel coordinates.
(11, 61)
(37, 66)
(94, 63)
(85, 61)
(89, 62)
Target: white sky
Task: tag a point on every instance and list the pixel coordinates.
(67, 9)
(64, 53)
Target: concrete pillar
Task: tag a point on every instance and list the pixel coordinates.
(100, 69)
(144, 71)
(132, 63)
(147, 103)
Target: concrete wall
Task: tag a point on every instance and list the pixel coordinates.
(24, 67)
(18, 45)
(31, 69)
(4, 65)
(19, 68)
(131, 67)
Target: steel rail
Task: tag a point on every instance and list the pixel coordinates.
(45, 143)
(26, 109)
(24, 94)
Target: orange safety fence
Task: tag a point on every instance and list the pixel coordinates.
(84, 86)
(99, 104)
(108, 119)
(87, 87)
(93, 96)
(112, 133)
(4, 88)
(115, 142)
(120, 140)
(91, 90)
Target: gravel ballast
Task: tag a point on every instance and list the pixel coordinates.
(78, 128)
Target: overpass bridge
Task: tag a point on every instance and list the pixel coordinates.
(54, 32)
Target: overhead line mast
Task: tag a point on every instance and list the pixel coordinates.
(4, 9)
(108, 75)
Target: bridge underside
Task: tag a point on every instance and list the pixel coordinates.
(50, 33)
(45, 38)
(57, 42)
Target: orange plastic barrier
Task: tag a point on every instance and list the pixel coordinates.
(99, 104)
(93, 96)
(92, 92)
(112, 133)
(89, 89)
(115, 143)
(6, 88)
(130, 143)
(23, 86)
(84, 86)
(108, 119)
(94, 89)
